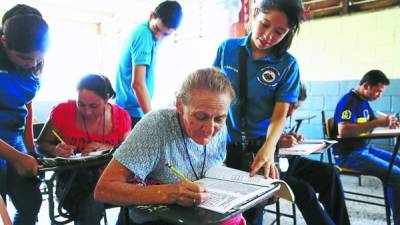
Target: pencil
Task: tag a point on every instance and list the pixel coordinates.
(176, 171)
(381, 113)
(58, 136)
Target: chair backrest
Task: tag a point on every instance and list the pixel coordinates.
(3, 213)
(37, 128)
(328, 129)
(328, 126)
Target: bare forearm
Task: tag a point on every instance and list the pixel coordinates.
(47, 149)
(28, 132)
(355, 129)
(274, 132)
(143, 98)
(8, 153)
(139, 87)
(120, 193)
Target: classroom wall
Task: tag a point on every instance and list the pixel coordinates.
(345, 47)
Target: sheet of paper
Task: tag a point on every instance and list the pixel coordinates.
(301, 149)
(224, 195)
(384, 130)
(226, 173)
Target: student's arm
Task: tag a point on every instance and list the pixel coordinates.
(25, 164)
(347, 129)
(265, 156)
(49, 145)
(28, 132)
(113, 187)
(140, 89)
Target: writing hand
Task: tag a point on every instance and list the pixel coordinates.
(298, 137)
(287, 141)
(393, 122)
(264, 158)
(188, 193)
(26, 165)
(94, 146)
(64, 150)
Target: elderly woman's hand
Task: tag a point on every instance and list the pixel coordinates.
(188, 193)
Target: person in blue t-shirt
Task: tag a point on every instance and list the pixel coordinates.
(353, 117)
(135, 74)
(272, 78)
(24, 42)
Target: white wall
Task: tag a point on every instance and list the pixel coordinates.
(346, 47)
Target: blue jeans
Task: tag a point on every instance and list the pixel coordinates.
(376, 161)
(24, 194)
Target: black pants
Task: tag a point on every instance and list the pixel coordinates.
(307, 177)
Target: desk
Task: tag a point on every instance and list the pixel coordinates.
(382, 133)
(73, 168)
(195, 215)
(304, 148)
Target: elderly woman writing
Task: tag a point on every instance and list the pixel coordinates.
(191, 137)
(86, 125)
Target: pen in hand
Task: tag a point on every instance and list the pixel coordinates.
(176, 171)
(381, 113)
(58, 137)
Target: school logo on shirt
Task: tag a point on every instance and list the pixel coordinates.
(366, 114)
(268, 76)
(346, 115)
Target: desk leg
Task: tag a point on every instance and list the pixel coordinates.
(385, 183)
(50, 187)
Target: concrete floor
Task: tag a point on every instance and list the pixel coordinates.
(360, 214)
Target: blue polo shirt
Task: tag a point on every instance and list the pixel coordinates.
(269, 80)
(352, 108)
(139, 49)
(16, 90)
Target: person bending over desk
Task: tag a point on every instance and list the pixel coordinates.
(353, 117)
(24, 42)
(191, 137)
(86, 125)
(265, 76)
(308, 177)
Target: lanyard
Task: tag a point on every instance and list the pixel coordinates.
(187, 153)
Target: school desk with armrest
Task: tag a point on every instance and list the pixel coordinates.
(57, 214)
(194, 215)
(328, 131)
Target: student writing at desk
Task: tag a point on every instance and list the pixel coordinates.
(88, 124)
(24, 42)
(190, 137)
(354, 117)
(308, 177)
